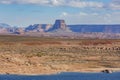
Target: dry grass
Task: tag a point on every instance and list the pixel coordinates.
(53, 54)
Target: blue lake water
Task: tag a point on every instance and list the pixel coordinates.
(65, 76)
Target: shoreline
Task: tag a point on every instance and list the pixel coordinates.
(55, 73)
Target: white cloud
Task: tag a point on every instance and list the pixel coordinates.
(71, 3)
(5, 2)
(113, 5)
(82, 4)
(95, 14)
(56, 2)
(93, 18)
(80, 14)
(24, 1)
(64, 14)
(83, 14)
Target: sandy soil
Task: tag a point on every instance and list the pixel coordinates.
(33, 55)
(20, 64)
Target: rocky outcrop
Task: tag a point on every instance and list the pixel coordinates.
(107, 71)
(38, 28)
(19, 31)
(59, 26)
(7, 29)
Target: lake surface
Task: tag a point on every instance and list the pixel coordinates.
(65, 76)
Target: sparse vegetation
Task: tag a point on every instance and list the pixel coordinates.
(54, 54)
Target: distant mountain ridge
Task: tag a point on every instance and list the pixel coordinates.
(95, 28)
(4, 25)
(5, 28)
(60, 28)
(38, 28)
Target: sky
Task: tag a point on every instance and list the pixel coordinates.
(26, 12)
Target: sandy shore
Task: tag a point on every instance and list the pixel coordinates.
(97, 70)
(20, 64)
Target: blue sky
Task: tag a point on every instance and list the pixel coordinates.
(25, 12)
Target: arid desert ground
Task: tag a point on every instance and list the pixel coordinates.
(40, 55)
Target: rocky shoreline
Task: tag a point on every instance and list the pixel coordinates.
(55, 72)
